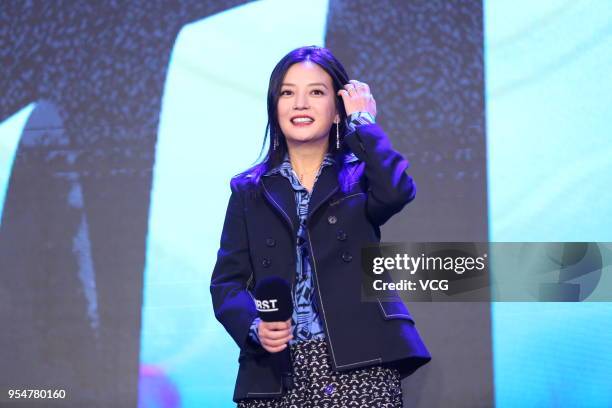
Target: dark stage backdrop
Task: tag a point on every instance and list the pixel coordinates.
(76, 212)
(426, 59)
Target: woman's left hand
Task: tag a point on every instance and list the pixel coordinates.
(357, 98)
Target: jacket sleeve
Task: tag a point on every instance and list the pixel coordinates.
(233, 304)
(390, 187)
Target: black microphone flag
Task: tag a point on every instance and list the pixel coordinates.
(273, 299)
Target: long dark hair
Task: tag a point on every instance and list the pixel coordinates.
(273, 157)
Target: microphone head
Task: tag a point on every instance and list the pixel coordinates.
(273, 299)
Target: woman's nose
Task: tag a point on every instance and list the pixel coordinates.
(301, 101)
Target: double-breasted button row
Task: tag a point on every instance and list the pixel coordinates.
(266, 262)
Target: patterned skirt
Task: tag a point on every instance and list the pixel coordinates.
(317, 386)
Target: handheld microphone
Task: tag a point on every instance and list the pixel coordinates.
(274, 304)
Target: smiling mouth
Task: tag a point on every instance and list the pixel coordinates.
(302, 121)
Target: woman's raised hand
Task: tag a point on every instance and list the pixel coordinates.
(274, 336)
(357, 98)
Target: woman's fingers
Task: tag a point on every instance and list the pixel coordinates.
(343, 93)
(357, 97)
(274, 334)
(360, 87)
(275, 349)
(275, 343)
(356, 89)
(351, 89)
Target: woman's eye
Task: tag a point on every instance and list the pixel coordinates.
(285, 92)
(317, 92)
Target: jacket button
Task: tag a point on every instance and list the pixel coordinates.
(346, 257)
(332, 219)
(265, 262)
(329, 389)
(341, 235)
(270, 242)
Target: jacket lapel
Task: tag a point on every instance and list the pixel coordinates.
(325, 187)
(279, 193)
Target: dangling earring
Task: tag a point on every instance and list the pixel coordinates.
(275, 144)
(337, 135)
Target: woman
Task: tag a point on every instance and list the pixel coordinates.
(330, 179)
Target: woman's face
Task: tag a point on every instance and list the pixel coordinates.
(306, 106)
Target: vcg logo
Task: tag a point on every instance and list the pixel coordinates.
(268, 305)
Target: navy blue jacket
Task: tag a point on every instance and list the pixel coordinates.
(258, 240)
